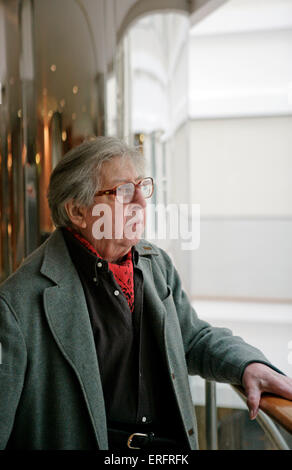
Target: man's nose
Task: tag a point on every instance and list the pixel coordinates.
(139, 198)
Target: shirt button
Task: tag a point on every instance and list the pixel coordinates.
(99, 265)
(144, 419)
(116, 292)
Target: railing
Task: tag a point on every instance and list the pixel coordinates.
(279, 409)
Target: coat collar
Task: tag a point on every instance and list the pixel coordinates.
(56, 250)
(145, 248)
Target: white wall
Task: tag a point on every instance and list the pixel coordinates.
(242, 166)
(241, 171)
(241, 74)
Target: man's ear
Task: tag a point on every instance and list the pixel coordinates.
(76, 213)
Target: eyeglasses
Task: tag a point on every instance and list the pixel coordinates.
(125, 192)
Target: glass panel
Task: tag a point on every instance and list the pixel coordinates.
(12, 231)
(69, 90)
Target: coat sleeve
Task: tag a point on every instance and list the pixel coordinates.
(13, 359)
(211, 352)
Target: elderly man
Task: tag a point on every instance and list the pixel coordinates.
(97, 335)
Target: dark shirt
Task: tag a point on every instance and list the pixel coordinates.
(137, 389)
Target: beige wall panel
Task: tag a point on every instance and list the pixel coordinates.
(242, 166)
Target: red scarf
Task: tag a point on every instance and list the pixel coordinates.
(123, 273)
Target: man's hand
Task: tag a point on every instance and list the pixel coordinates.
(258, 378)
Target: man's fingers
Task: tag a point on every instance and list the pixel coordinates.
(253, 401)
(282, 387)
(258, 378)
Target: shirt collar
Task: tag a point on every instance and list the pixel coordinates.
(86, 257)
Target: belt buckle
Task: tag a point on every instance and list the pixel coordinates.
(131, 437)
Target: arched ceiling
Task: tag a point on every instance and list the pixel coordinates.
(75, 43)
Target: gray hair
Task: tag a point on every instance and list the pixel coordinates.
(78, 174)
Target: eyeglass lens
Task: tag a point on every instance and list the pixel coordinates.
(125, 192)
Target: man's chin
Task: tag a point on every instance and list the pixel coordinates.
(132, 238)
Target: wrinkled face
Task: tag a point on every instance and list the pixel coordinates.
(111, 224)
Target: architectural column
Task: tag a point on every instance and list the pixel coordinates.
(27, 76)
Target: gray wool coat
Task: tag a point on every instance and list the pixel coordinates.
(50, 388)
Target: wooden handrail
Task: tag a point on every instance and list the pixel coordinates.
(277, 408)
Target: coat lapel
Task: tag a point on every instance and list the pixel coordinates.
(68, 318)
(152, 302)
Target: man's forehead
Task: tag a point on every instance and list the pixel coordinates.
(115, 181)
(118, 171)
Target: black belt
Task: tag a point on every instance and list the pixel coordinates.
(140, 440)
